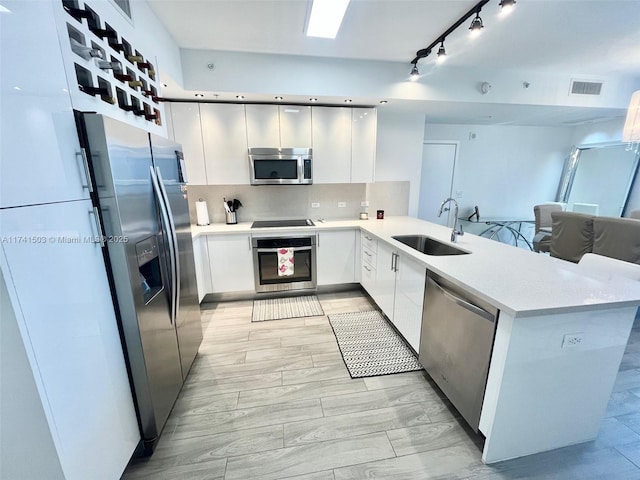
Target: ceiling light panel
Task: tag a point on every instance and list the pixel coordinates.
(326, 17)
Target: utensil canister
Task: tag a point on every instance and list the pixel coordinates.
(231, 218)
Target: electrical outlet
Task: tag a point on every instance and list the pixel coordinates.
(342, 204)
(572, 339)
(364, 204)
(315, 205)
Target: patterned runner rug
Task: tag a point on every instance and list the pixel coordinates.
(370, 346)
(287, 307)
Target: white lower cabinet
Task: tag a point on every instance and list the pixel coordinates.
(203, 269)
(60, 294)
(396, 284)
(231, 263)
(384, 290)
(336, 253)
(409, 299)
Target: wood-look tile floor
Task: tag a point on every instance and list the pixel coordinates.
(273, 400)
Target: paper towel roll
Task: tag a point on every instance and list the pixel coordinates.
(202, 213)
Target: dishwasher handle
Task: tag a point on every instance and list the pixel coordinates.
(462, 302)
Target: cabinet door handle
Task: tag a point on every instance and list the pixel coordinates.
(96, 221)
(84, 167)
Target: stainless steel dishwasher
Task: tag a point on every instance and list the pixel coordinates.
(456, 343)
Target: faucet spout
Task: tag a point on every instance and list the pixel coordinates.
(454, 232)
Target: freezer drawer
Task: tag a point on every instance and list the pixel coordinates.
(456, 343)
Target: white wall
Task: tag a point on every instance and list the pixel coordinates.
(610, 131)
(154, 37)
(399, 151)
(505, 170)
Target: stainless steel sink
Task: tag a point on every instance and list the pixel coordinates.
(428, 245)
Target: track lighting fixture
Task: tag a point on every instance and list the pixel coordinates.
(507, 6)
(415, 73)
(476, 26)
(442, 53)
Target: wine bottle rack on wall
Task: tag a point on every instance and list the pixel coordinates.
(108, 66)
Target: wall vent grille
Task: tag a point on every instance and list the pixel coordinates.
(585, 88)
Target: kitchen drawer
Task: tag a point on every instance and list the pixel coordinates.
(368, 277)
(369, 257)
(370, 242)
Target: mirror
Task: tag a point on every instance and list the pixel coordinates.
(599, 177)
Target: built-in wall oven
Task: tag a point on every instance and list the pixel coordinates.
(284, 263)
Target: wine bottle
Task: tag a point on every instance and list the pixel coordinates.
(135, 83)
(123, 77)
(157, 99)
(118, 47)
(102, 33)
(135, 58)
(144, 65)
(151, 116)
(83, 51)
(103, 92)
(138, 112)
(77, 13)
(105, 65)
(152, 74)
(127, 108)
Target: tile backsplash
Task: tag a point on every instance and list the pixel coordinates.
(269, 202)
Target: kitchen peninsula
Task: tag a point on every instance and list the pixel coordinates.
(539, 395)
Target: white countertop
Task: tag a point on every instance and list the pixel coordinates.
(517, 281)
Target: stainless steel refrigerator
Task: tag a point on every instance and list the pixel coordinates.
(140, 192)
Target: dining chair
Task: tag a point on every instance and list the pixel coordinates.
(542, 235)
(571, 235)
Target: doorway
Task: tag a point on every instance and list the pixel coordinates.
(436, 180)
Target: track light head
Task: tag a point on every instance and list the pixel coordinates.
(442, 53)
(476, 24)
(415, 73)
(507, 6)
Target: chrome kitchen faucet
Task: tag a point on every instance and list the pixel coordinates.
(454, 232)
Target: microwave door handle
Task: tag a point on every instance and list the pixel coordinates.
(174, 240)
(164, 216)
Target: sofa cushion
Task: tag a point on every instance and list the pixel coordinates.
(617, 238)
(571, 235)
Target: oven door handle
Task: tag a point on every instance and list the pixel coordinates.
(276, 250)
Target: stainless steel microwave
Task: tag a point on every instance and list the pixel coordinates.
(281, 166)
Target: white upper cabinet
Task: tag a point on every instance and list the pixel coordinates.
(224, 134)
(185, 118)
(278, 126)
(295, 126)
(263, 126)
(363, 144)
(40, 153)
(331, 130)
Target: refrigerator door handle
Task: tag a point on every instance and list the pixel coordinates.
(174, 239)
(164, 215)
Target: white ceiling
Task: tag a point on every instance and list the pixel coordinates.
(586, 37)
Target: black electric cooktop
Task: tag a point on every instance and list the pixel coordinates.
(282, 223)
